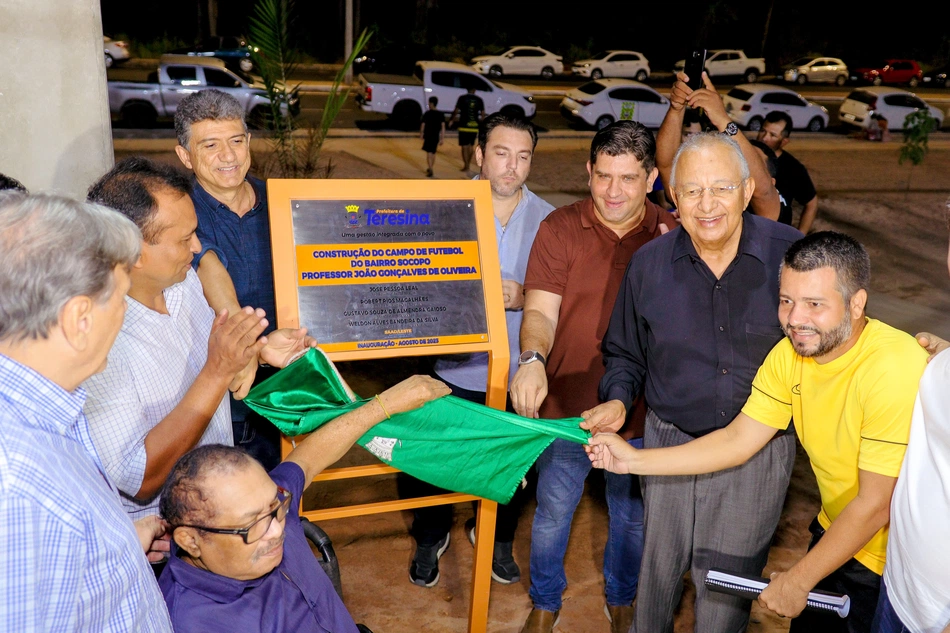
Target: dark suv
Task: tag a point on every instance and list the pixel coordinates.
(235, 51)
(889, 71)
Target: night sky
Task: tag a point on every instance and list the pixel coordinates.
(663, 30)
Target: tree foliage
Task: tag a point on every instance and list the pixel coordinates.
(295, 148)
(917, 128)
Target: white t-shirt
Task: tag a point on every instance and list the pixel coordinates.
(917, 572)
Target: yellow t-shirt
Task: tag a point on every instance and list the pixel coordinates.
(852, 413)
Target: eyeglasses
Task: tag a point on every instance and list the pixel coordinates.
(694, 193)
(255, 531)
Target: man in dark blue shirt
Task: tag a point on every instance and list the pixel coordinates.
(235, 264)
(694, 319)
(242, 563)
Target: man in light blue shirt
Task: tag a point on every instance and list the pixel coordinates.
(70, 558)
(505, 148)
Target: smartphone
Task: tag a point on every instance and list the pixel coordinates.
(695, 64)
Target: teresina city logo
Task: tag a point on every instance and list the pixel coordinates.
(352, 215)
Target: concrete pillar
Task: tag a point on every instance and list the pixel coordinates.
(55, 132)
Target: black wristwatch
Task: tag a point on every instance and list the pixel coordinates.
(731, 129)
(530, 357)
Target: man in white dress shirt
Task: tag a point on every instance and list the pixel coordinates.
(163, 390)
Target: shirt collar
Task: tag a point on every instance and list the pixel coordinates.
(220, 589)
(174, 296)
(750, 241)
(208, 201)
(525, 194)
(25, 387)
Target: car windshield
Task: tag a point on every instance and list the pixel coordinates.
(861, 96)
(802, 61)
(600, 55)
(740, 94)
(243, 75)
(591, 87)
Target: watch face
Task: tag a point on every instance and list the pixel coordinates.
(732, 129)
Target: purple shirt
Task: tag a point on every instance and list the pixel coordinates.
(296, 596)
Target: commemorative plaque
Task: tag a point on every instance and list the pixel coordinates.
(388, 272)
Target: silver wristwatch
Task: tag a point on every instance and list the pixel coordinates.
(530, 357)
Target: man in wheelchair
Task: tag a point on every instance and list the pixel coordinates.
(242, 562)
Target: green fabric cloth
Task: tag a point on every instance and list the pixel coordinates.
(449, 442)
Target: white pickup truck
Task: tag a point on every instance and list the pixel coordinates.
(730, 62)
(141, 104)
(405, 98)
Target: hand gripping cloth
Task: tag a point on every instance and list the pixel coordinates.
(449, 442)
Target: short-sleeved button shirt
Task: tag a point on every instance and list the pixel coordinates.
(242, 243)
(578, 258)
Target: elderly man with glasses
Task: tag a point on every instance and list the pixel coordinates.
(694, 319)
(241, 562)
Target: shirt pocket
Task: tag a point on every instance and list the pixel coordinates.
(760, 339)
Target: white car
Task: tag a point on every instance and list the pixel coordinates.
(817, 70)
(115, 51)
(614, 64)
(603, 101)
(520, 60)
(747, 105)
(893, 104)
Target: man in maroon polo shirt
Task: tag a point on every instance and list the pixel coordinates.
(574, 274)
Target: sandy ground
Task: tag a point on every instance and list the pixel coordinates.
(898, 212)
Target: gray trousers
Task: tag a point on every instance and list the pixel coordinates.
(724, 519)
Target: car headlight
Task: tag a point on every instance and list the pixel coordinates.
(529, 98)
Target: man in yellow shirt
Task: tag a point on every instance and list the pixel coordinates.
(849, 383)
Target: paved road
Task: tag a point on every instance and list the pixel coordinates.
(547, 96)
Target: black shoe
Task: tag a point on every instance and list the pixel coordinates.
(504, 569)
(424, 570)
(429, 173)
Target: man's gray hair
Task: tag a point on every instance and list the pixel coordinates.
(206, 105)
(703, 140)
(51, 250)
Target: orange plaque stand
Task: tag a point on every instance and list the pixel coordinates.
(281, 195)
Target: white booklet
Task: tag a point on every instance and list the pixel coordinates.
(751, 586)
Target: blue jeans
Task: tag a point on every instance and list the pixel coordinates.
(886, 619)
(562, 469)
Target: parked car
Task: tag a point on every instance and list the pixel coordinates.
(747, 105)
(600, 102)
(115, 51)
(405, 98)
(614, 64)
(721, 63)
(938, 78)
(889, 71)
(141, 104)
(235, 51)
(894, 104)
(520, 60)
(399, 59)
(817, 70)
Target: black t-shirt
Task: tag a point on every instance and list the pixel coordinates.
(793, 180)
(469, 107)
(432, 122)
